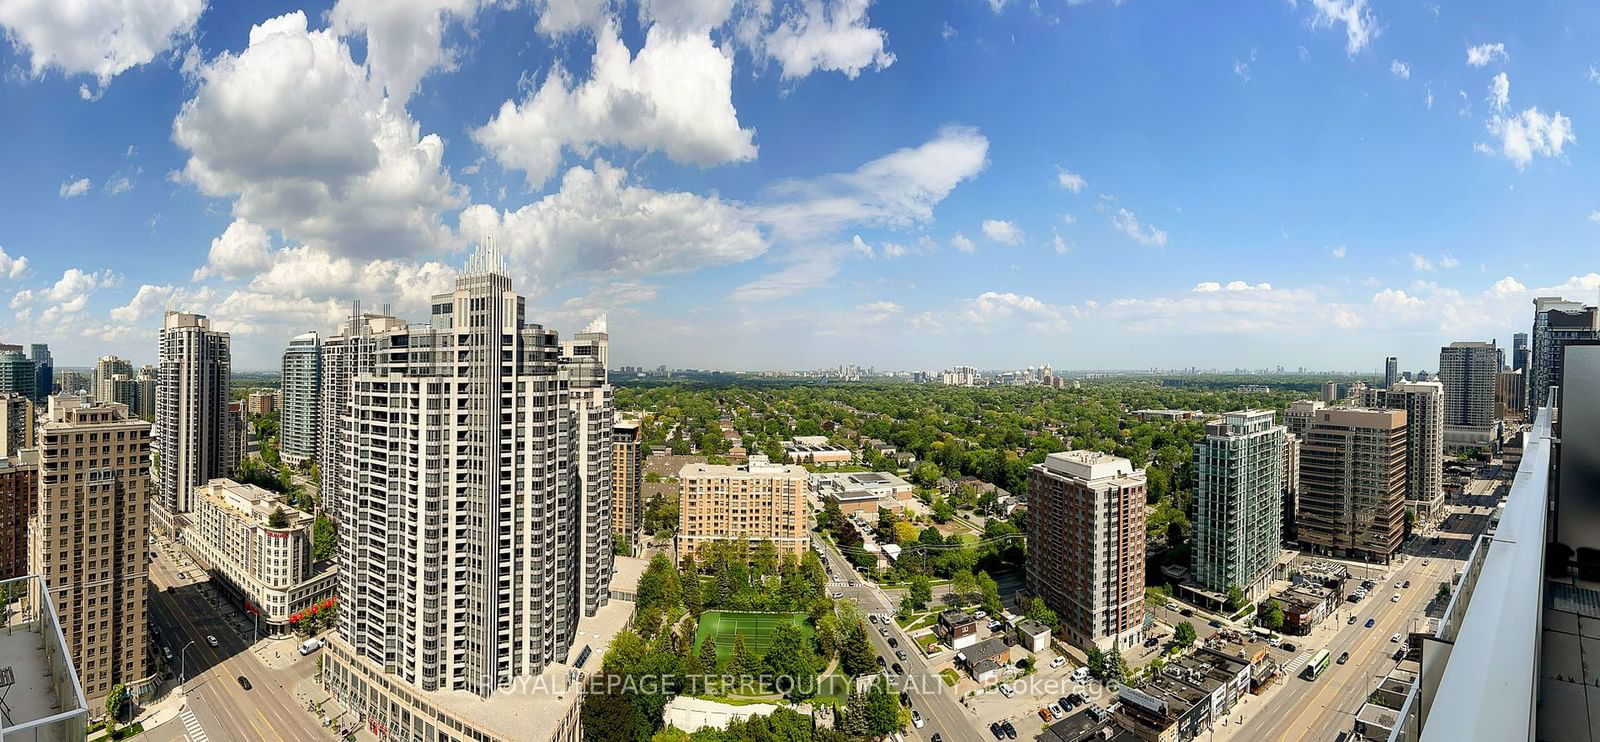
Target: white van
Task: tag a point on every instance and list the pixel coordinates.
(310, 645)
(1006, 690)
(1080, 675)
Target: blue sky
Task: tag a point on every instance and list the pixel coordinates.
(796, 184)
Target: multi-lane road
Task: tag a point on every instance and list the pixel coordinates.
(1320, 709)
(218, 706)
(927, 691)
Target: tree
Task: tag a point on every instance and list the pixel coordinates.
(1272, 617)
(619, 544)
(324, 538)
(792, 662)
(882, 709)
(1443, 593)
(694, 600)
(1038, 611)
(943, 511)
(1115, 669)
(963, 583)
(278, 518)
(741, 662)
(764, 559)
(114, 703)
(608, 716)
(1236, 599)
(658, 586)
(856, 656)
(708, 655)
(827, 635)
(1097, 663)
(1184, 634)
(920, 592)
(990, 592)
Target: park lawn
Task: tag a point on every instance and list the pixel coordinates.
(757, 628)
(834, 687)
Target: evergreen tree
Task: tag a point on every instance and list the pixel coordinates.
(708, 655)
(741, 662)
(856, 656)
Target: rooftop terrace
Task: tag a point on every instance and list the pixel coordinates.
(40, 697)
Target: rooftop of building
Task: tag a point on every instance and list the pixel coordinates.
(956, 617)
(23, 458)
(254, 502)
(758, 465)
(988, 649)
(43, 694)
(1031, 627)
(625, 573)
(1088, 465)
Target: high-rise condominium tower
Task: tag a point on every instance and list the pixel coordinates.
(106, 369)
(1519, 352)
(44, 371)
(19, 495)
(583, 374)
(17, 375)
(627, 479)
(460, 494)
(1391, 371)
(16, 423)
(193, 434)
(1297, 418)
(1557, 323)
(1423, 403)
(1238, 528)
(760, 501)
(299, 424)
(1471, 374)
(89, 537)
(1086, 545)
(1353, 483)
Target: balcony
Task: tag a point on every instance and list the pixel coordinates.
(44, 702)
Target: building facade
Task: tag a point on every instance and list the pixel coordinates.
(270, 568)
(106, 369)
(1291, 484)
(265, 401)
(1353, 483)
(17, 375)
(19, 490)
(459, 495)
(350, 351)
(44, 371)
(1470, 372)
(17, 424)
(583, 375)
(1086, 546)
(1557, 323)
(299, 425)
(1238, 527)
(1511, 396)
(1423, 403)
(1297, 418)
(89, 538)
(759, 501)
(1391, 371)
(192, 428)
(627, 479)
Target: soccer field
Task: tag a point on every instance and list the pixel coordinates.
(756, 627)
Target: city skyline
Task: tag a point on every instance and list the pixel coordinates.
(1441, 188)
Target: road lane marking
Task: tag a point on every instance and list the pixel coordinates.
(191, 725)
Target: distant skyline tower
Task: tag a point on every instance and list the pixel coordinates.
(17, 374)
(106, 369)
(1391, 371)
(299, 422)
(1556, 324)
(192, 427)
(1470, 372)
(1519, 353)
(44, 371)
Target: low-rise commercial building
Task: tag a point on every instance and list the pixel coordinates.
(815, 449)
(269, 567)
(1166, 415)
(1188, 696)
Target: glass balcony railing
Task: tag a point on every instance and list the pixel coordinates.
(42, 698)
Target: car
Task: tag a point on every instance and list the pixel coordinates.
(1344, 657)
(1066, 704)
(916, 719)
(873, 617)
(898, 670)
(905, 699)
(838, 595)
(1394, 598)
(1171, 606)
(996, 730)
(1397, 586)
(893, 642)
(1006, 690)
(1216, 623)
(978, 614)
(900, 654)
(1011, 731)
(1045, 714)
(244, 682)
(212, 640)
(852, 583)
(1057, 662)
(995, 625)
(1425, 562)
(882, 662)
(1371, 622)
(937, 738)
(1406, 584)
(1186, 613)
(1055, 710)
(1352, 620)
(883, 631)
(1287, 646)
(1395, 638)
(1399, 654)
(1152, 641)
(167, 651)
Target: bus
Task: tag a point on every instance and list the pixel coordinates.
(1318, 663)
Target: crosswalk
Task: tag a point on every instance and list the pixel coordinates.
(1296, 663)
(196, 733)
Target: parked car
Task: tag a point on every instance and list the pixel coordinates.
(244, 682)
(898, 670)
(212, 640)
(1054, 709)
(1371, 622)
(883, 631)
(994, 728)
(1216, 623)
(1395, 638)
(1066, 704)
(916, 719)
(882, 662)
(1057, 662)
(1011, 731)
(1425, 562)
(1406, 584)
(1171, 606)
(1399, 654)
(1186, 613)
(1395, 598)
(1352, 620)
(873, 617)
(1046, 715)
(1006, 690)
(1287, 646)
(1344, 657)
(838, 595)
(900, 654)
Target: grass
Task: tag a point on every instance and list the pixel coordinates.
(756, 627)
(834, 687)
(950, 677)
(927, 641)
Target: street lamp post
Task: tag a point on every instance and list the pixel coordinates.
(183, 663)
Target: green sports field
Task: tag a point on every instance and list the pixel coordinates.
(756, 627)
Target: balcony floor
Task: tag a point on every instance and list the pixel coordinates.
(1569, 662)
(32, 697)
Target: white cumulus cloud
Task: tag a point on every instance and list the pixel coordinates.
(103, 38)
(1360, 25)
(73, 188)
(404, 39)
(241, 250)
(13, 268)
(1002, 231)
(1482, 54)
(1531, 133)
(1070, 180)
(962, 244)
(1400, 69)
(811, 35)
